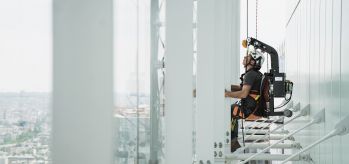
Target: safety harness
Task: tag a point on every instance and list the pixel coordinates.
(249, 108)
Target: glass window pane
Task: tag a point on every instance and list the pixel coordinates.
(25, 81)
(132, 80)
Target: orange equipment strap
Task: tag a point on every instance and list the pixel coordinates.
(237, 112)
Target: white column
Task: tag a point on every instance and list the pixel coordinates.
(218, 68)
(179, 80)
(221, 50)
(205, 94)
(229, 41)
(232, 56)
(82, 82)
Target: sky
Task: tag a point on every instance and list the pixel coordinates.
(25, 45)
(271, 22)
(26, 41)
(126, 44)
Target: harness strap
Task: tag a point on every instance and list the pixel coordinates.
(236, 109)
(255, 92)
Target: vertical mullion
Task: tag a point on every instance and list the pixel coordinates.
(179, 81)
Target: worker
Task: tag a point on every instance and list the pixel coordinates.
(248, 93)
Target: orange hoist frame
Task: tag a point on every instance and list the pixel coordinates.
(240, 114)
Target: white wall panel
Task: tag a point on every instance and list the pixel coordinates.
(327, 156)
(328, 76)
(345, 76)
(335, 66)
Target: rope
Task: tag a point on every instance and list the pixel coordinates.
(256, 17)
(246, 31)
(246, 19)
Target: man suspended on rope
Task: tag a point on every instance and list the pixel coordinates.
(248, 92)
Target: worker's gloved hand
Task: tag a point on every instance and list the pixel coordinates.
(226, 93)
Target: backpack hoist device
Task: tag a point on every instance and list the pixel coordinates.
(274, 83)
